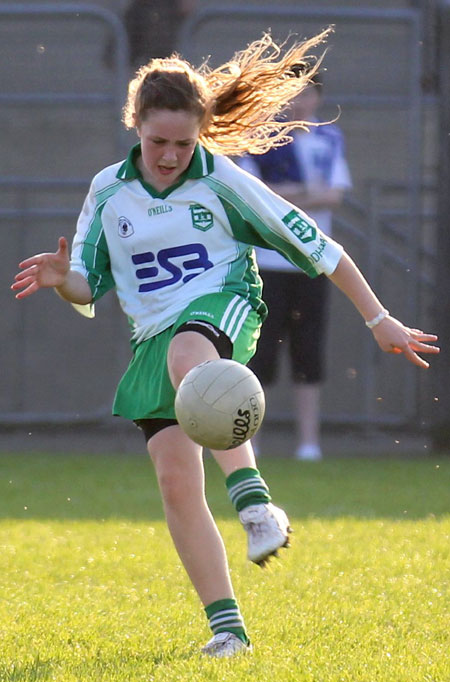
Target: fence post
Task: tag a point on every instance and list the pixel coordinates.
(441, 421)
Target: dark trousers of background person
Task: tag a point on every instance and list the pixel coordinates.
(297, 321)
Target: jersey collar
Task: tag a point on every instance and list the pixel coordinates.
(202, 164)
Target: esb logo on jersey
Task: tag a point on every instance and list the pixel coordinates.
(179, 262)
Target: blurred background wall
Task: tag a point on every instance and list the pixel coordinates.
(64, 70)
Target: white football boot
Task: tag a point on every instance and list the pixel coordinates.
(225, 645)
(267, 529)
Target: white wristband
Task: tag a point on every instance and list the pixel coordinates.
(376, 320)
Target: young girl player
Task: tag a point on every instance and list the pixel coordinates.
(172, 229)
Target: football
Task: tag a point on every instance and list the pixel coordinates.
(220, 404)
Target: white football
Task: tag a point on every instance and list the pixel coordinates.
(220, 404)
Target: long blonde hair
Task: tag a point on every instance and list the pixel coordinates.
(239, 103)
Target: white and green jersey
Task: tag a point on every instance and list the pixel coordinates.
(163, 250)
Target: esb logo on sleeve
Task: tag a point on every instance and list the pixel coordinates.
(300, 227)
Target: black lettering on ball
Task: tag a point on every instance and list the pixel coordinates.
(241, 425)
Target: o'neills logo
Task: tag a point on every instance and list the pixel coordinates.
(159, 210)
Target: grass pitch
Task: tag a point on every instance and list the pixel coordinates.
(91, 588)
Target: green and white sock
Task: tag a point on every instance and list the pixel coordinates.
(246, 487)
(224, 616)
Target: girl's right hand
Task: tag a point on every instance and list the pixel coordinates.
(44, 270)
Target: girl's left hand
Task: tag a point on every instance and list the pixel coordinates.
(393, 337)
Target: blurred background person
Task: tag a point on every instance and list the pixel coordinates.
(311, 172)
(153, 27)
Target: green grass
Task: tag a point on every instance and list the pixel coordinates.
(91, 588)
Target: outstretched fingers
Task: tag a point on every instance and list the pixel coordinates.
(44, 270)
(419, 335)
(26, 281)
(29, 286)
(412, 356)
(421, 342)
(30, 262)
(417, 344)
(424, 347)
(29, 271)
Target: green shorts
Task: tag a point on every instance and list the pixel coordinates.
(145, 390)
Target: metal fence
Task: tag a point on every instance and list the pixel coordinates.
(374, 68)
(58, 368)
(53, 84)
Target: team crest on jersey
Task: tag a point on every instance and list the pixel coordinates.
(126, 229)
(202, 219)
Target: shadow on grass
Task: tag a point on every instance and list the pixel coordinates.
(102, 665)
(101, 487)
(30, 671)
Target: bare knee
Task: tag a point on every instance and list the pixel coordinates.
(178, 465)
(187, 350)
(174, 491)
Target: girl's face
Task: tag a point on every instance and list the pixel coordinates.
(168, 140)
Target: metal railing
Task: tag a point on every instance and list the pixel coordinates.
(24, 210)
(378, 220)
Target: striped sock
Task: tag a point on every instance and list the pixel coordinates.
(224, 616)
(246, 487)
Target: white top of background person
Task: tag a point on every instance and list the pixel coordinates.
(318, 163)
(325, 171)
